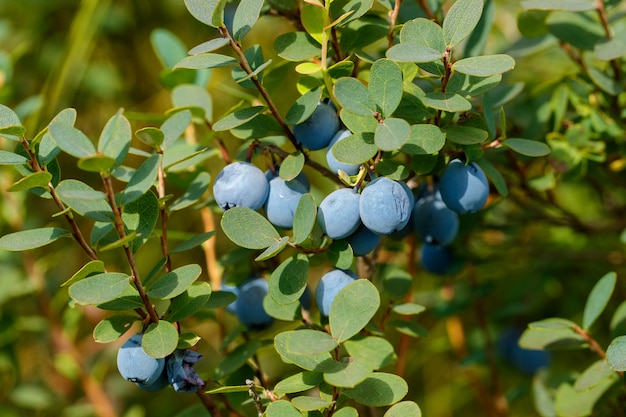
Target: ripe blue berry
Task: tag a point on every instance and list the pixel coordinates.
(240, 184)
(135, 365)
(282, 201)
(317, 131)
(386, 205)
(434, 222)
(338, 214)
(464, 188)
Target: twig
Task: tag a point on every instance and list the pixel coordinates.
(393, 17)
(164, 216)
(429, 13)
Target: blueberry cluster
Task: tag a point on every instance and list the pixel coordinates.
(153, 374)
(463, 188)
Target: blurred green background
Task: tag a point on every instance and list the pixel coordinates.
(528, 258)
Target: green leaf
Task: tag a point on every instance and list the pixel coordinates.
(404, 409)
(449, 102)
(350, 372)
(408, 328)
(354, 96)
(408, 309)
(281, 408)
(71, 140)
(248, 229)
(356, 8)
(527, 147)
(476, 42)
(302, 381)
(423, 32)
(30, 239)
(99, 288)
(236, 359)
(304, 107)
(572, 403)
(593, 375)
(237, 118)
(571, 5)
(90, 268)
(392, 134)
(610, 49)
(288, 281)
(139, 217)
(209, 12)
(309, 349)
(425, 139)
(142, 180)
(206, 61)
(376, 350)
(39, 179)
(484, 66)
(552, 323)
(115, 138)
(10, 158)
(112, 328)
(357, 123)
(406, 52)
(129, 299)
(352, 309)
(220, 299)
(168, 47)
(189, 302)
(292, 166)
(286, 312)
(465, 135)
(187, 95)
(313, 19)
(246, 15)
(193, 242)
(346, 412)
(306, 403)
(378, 390)
(160, 339)
(598, 299)
(187, 340)
(385, 85)
(304, 218)
(558, 338)
(9, 119)
(354, 149)
(195, 190)
(97, 163)
(177, 123)
(84, 200)
(472, 86)
(616, 354)
(175, 282)
(151, 136)
(340, 254)
(461, 20)
(208, 46)
(577, 29)
(297, 46)
(274, 249)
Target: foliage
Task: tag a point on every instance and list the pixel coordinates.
(417, 86)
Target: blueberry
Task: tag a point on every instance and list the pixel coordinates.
(249, 303)
(330, 284)
(240, 184)
(386, 205)
(464, 188)
(317, 131)
(338, 214)
(235, 290)
(434, 222)
(526, 360)
(135, 365)
(363, 241)
(333, 163)
(282, 201)
(436, 259)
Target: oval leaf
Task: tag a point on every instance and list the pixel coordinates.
(248, 229)
(190, 301)
(461, 20)
(288, 281)
(175, 282)
(142, 180)
(527, 147)
(484, 66)
(30, 239)
(378, 390)
(385, 85)
(392, 134)
(160, 339)
(404, 409)
(598, 299)
(112, 328)
(352, 309)
(99, 288)
(304, 218)
(71, 140)
(237, 118)
(616, 354)
(39, 179)
(205, 61)
(354, 96)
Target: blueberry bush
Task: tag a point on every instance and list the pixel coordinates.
(323, 208)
